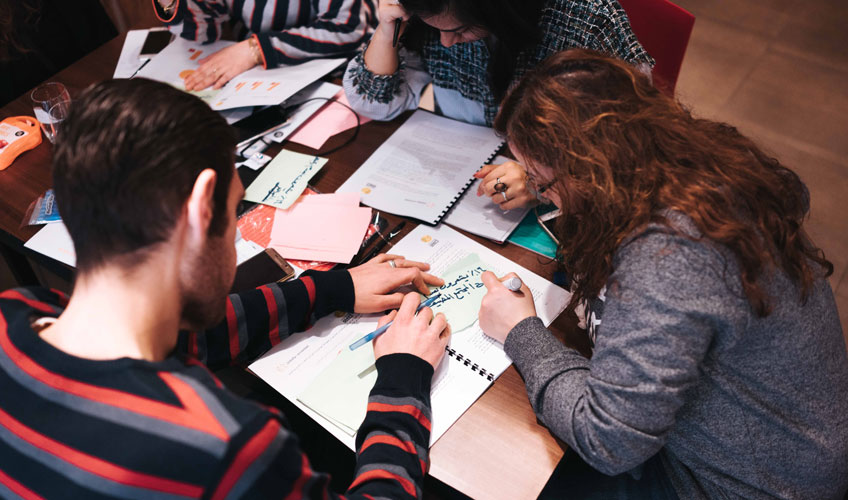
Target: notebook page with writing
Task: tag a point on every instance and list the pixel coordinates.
(424, 167)
(473, 360)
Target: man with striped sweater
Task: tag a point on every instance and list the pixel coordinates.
(274, 32)
(105, 393)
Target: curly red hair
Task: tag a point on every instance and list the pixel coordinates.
(622, 152)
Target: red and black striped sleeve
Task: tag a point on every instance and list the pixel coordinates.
(258, 319)
(265, 460)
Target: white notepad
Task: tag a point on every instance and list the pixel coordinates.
(481, 216)
(472, 362)
(424, 167)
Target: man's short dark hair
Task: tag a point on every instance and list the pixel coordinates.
(126, 161)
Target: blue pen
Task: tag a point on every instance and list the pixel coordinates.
(379, 331)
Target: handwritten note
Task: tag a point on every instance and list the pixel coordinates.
(284, 179)
(462, 293)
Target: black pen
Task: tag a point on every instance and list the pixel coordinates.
(398, 22)
(378, 224)
(147, 61)
(383, 240)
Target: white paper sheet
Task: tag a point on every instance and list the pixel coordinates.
(255, 87)
(292, 365)
(481, 216)
(423, 167)
(178, 60)
(129, 60)
(54, 241)
(261, 87)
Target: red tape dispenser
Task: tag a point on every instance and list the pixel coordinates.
(17, 134)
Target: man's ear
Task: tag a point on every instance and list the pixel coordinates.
(200, 203)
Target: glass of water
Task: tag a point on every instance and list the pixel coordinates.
(44, 98)
(57, 115)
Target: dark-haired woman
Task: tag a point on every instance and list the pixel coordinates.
(472, 51)
(719, 367)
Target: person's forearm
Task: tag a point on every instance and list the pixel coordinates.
(381, 58)
(258, 319)
(396, 431)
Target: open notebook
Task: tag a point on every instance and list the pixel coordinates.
(424, 167)
(317, 372)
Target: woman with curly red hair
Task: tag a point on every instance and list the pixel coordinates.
(719, 367)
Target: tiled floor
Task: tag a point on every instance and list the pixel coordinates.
(778, 70)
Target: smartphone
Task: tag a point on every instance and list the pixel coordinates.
(262, 268)
(156, 41)
(260, 123)
(547, 215)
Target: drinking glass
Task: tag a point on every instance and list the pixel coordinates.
(44, 97)
(57, 115)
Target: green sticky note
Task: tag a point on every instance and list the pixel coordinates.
(283, 179)
(462, 293)
(340, 392)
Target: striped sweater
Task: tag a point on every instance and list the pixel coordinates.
(288, 31)
(78, 428)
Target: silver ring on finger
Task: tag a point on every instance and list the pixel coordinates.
(500, 187)
(392, 263)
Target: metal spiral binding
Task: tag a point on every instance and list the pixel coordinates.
(467, 362)
(467, 184)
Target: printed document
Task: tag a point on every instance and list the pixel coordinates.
(423, 168)
(254, 87)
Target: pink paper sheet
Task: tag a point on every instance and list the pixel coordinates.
(329, 228)
(331, 120)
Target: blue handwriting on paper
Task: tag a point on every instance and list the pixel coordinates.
(460, 287)
(278, 195)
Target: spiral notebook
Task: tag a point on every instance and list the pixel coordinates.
(317, 372)
(424, 167)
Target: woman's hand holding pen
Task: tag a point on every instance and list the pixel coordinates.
(375, 282)
(422, 335)
(502, 308)
(381, 57)
(388, 12)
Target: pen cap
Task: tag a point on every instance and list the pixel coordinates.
(513, 284)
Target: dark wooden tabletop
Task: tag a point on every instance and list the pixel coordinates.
(497, 449)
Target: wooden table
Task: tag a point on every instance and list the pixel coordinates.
(496, 450)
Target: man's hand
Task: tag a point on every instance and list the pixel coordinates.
(502, 309)
(375, 282)
(221, 67)
(513, 176)
(423, 335)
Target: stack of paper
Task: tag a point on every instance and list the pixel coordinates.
(321, 227)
